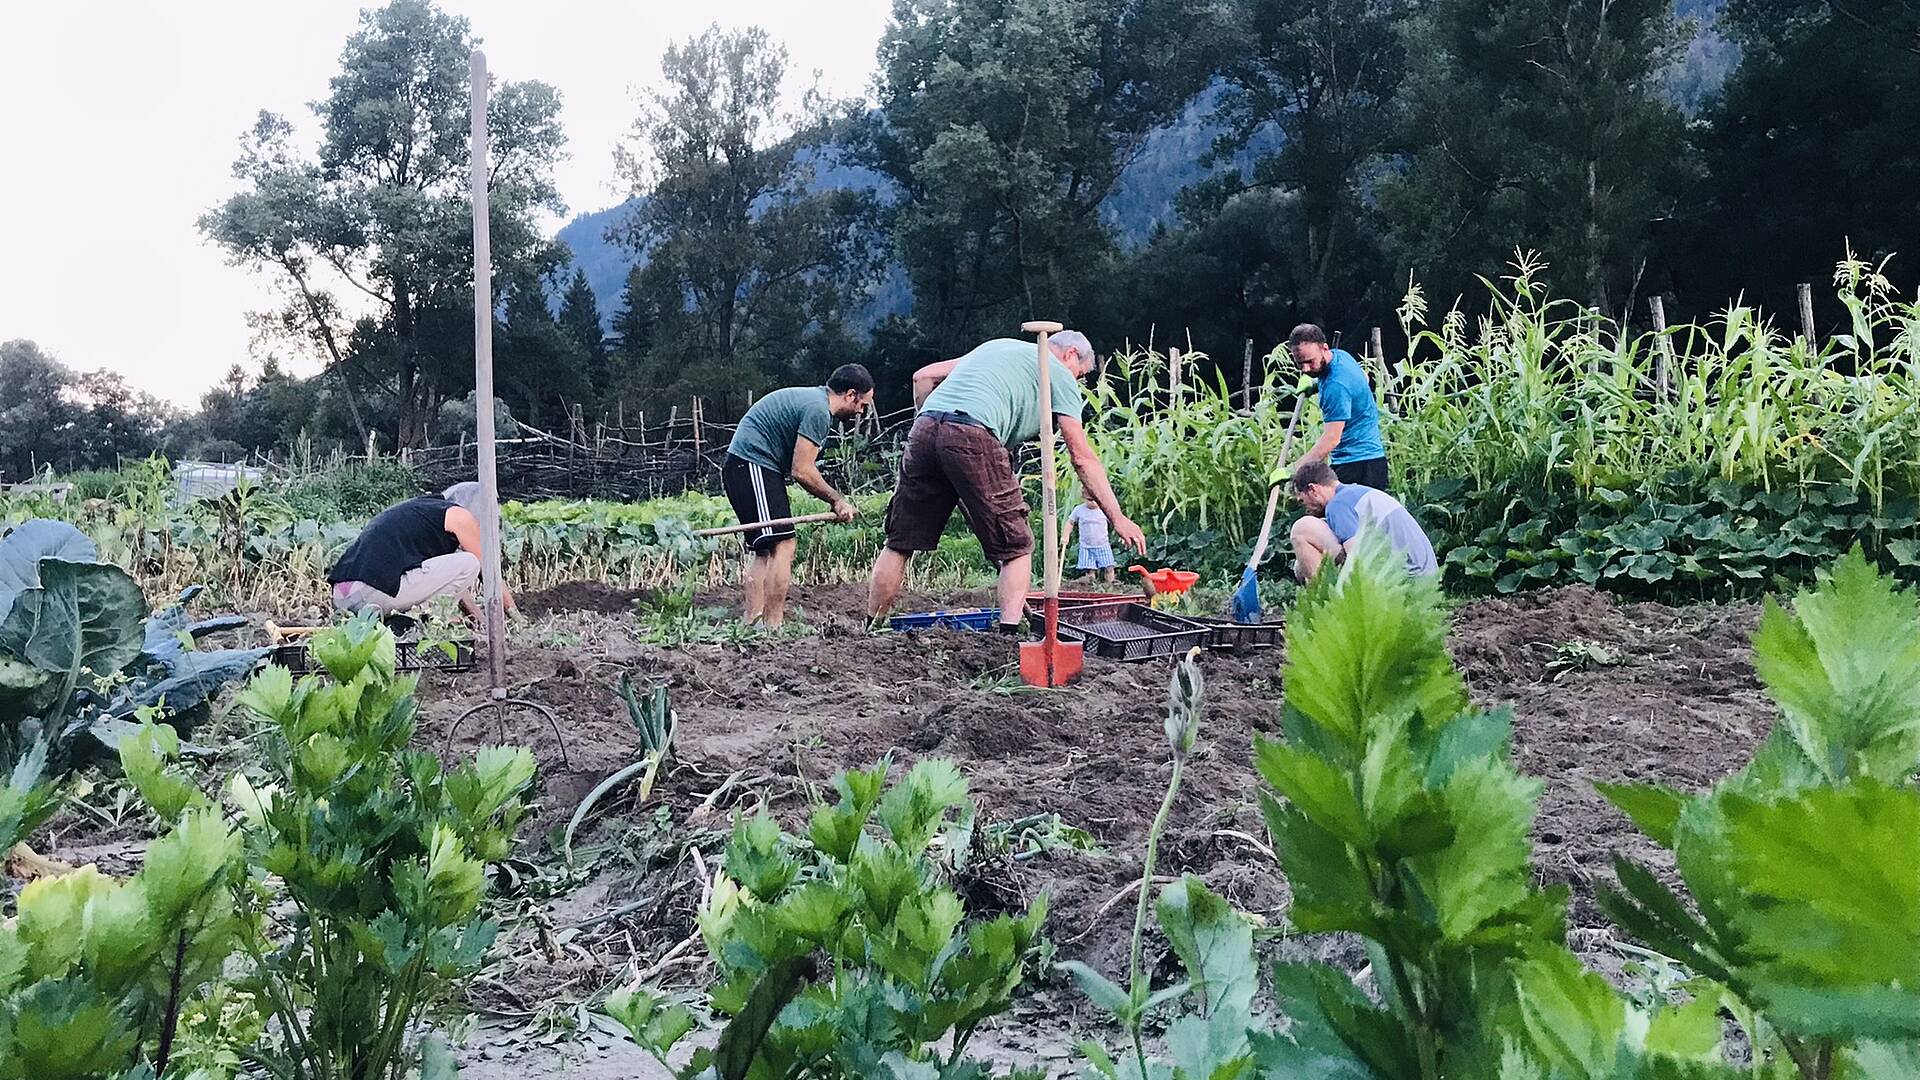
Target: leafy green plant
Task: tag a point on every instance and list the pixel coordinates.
(80, 659)
(353, 489)
(654, 721)
(96, 975)
(844, 954)
(1800, 866)
(1129, 1006)
(381, 854)
(1397, 815)
(1213, 942)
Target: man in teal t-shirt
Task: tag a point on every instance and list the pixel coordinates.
(781, 436)
(1350, 435)
(973, 412)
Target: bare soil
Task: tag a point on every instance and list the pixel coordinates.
(1670, 695)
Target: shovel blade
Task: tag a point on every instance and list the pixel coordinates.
(1051, 663)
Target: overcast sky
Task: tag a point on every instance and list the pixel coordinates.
(119, 120)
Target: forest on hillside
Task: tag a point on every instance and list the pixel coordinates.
(1203, 171)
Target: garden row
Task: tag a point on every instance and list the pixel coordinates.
(1397, 815)
(1541, 446)
(311, 911)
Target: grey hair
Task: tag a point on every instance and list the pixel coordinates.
(1073, 341)
(468, 495)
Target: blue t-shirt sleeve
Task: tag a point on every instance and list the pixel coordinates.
(1343, 517)
(1336, 403)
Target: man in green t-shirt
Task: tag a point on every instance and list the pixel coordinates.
(973, 412)
(781, 436)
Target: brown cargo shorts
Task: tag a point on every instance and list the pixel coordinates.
(948, 464)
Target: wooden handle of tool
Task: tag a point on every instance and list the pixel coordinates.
(1048, 496)
(277, 633)
(1273, 492)
(803, 519)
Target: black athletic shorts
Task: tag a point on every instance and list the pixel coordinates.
(757, 494)
(1369, 473)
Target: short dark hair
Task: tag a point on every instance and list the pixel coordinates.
(1309, 473)
(1304, 334)
(850, 377)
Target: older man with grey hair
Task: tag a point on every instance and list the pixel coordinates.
(973, 412)
(412, 552)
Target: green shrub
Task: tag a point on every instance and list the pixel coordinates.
(844, 955)
(1801, 865)
(380, 852)
(96, 974)
(354, 490)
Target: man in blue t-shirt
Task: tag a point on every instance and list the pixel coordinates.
(1350, 436)
(1339, 512)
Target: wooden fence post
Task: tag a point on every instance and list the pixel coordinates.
(492, 591)
(1380, 360)
(696, 427)
(1246, 376)
(1663, 348)
(1173, 378)
(1806, 314)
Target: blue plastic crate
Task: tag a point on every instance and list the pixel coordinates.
(973, 619)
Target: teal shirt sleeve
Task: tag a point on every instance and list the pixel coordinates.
(815, 424)
(1067, 399)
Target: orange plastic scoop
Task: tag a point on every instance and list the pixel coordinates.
(1169, 581)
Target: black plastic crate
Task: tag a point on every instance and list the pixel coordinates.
(1130, 630)
(407, 656)
(1224, 634)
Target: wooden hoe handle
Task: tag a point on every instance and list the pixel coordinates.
(804, 519)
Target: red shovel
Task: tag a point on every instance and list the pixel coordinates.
(1049, 661)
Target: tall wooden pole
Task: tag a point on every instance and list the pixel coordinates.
(1805, 296)
(491, 594)
(1663, 347)
(1246, 376)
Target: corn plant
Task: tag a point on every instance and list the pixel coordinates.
(381, 854)
(1801, 866)
(1546, 392)
(844, 955)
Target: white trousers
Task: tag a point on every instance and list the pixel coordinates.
(454, 574)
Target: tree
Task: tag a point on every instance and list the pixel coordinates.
(51, 417)
(542, 372)
(384, 210)
(745, 266)
(1323, 76)
(1810, 146)
(37, 422)
(1537, 124)
(634, 323)
(1004, 125)
(580, 320)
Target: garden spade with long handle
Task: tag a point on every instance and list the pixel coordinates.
(1049, 661)
(1246, 599)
